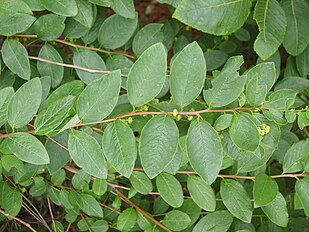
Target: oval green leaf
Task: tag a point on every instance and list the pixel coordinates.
(61, 7)
(176, 220)
(141, 183)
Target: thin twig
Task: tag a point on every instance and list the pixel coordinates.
(51, 214)
(110, 208)
(17, 219)
(9, 134)
(140, 210)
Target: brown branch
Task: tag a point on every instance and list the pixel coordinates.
(140, 210)
(17, 219)
(110, 208)
(9, 134)
(51, 214)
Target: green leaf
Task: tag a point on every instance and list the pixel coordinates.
(277, 211)
(5, 96)
(192, 209)
(147, 75)
(99, 186)
(124, 8)
(303, 120)
(15, 56)
(27, 148)
(158, 144)
(302, 63)
(281, 99)
(223, 121)
(146, 37)
(218, 17)
(260, 80)
(99, 226)
(140, 182)
(66, 8)
(227, 86)
(271, 21)
(48, 120)
(244, 133)
(99, 98)
(202, 194)
(297, 32)
(119, 147)
(48, 52)
(12, 201)
(86, 13)
(297, 84)
(74, 29)
(204, 150)
(91, 60)
(25, 103)
(49, 27)
(188, 71)
(170, 189)
(236, 199)
(87, 154)
(105, 3)
(295, 157)
(176, 220)
(116, 31)
(219, 221)
(17, 17)
(214, 59)
(265, 189)
(302, 190)
(91, 206)
(126, 219)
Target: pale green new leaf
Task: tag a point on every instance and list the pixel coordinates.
(87, 154)
(218, 17)
(244, 133)
(27, 148)
(48, 120)
(49, 27)
(66, 8)
(5, 96)
(219, 221)
(188, 72)
(48, 52)
(297, 31)
(158, 144)
(204, 150)
(25, 103)
(170, 189)
(302, 190)
(16, 17)
(202, 194)
(99, 98)
(260, 80)
(265, 190)
(15, 56)
(86, 13)
(119, 147)
(116, 31)
(277, 211)
(227, 86)
(236, 199)
(147, 75)
(125, 8)
(91, 60)
(126, 219)
(140, 182)
(271, 21)
(90, 206)
(176, 220)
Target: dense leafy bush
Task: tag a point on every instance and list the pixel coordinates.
(195, 123)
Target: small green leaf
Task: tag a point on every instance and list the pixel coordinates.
(236, 199)
(27, 148)
(188, 72)
(91, 206)
(61, 7)
(147, 75)
(176, 220)
(244, 133)
(218, 17)
(281, 99)
(158, 144)
(99, 226)
(302, 190)
(223, 121)
(125, 8)
(214, 59)
(277, 211)
(116, 31)
(25, 103)
(126, 219)
(86, 13)
(170, 189)
(99, 98)
(5, 96)
(12, 201)
(15, 56)
(141, 183)
(302, 63)
(49, 27)
(202, 194)
(87, 154)
(119, 147)
(265, 189)
(303, 120)
(99, 186)
(48, 52)
(204, 150)
(219, 221)
(227, 86)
